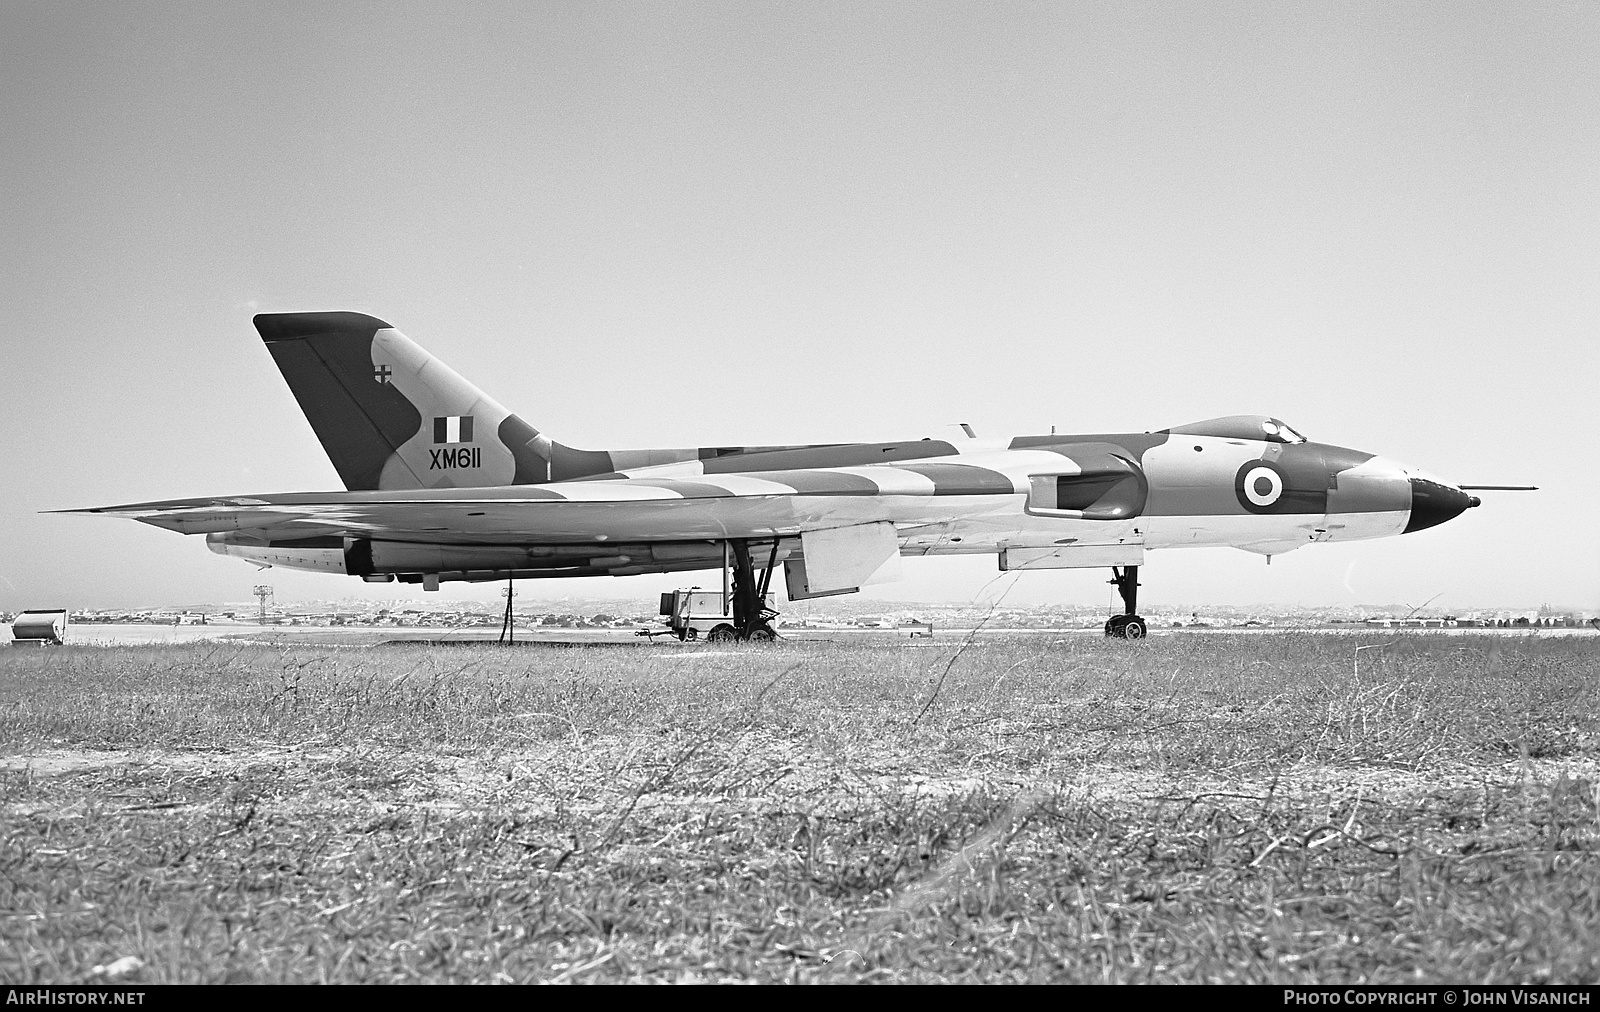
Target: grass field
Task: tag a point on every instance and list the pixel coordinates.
(1190, 808)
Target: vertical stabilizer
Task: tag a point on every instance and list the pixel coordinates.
(391, 416)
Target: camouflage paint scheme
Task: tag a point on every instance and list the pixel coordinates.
(443, 483)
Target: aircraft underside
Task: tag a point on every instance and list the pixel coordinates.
(1065, 545)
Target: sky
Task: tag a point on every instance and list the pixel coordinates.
(682, 224)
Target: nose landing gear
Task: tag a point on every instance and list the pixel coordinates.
(1128, 625)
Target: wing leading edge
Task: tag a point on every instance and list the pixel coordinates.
(647, 507)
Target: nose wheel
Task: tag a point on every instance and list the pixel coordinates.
(1128, 625)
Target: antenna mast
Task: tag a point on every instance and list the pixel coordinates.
(263, 594)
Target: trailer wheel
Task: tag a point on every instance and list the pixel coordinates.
(721, 634)
(762, 633)
(690, 634)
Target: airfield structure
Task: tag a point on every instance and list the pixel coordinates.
(263, 593)
(40, 627)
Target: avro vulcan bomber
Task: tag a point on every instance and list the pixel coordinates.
(442, 483)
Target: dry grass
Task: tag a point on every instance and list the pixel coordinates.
(1192, 808)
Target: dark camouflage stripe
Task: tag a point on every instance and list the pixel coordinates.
(962, 479)
(821, 482)
(1134, 444)
(687, 489)
(842, 455)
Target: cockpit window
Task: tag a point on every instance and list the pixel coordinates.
(1288, 435)
(1259, 427)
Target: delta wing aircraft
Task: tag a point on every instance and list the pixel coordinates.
(442, 483)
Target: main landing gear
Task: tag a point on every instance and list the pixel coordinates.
(751, 616)
(1128, 625)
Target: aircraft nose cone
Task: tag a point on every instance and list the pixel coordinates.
(1432, 503)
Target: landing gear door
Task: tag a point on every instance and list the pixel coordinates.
(844, 558)
(799, 587)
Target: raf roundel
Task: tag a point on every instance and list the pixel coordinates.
(1260, 486)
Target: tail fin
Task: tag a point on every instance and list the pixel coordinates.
(391, 416)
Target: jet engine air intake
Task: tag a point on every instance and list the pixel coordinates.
(1113, 489)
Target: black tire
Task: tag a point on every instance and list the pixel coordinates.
(762, 633)
(722, 634)
(1114, 626)
(690, 634)
(1134, 628)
